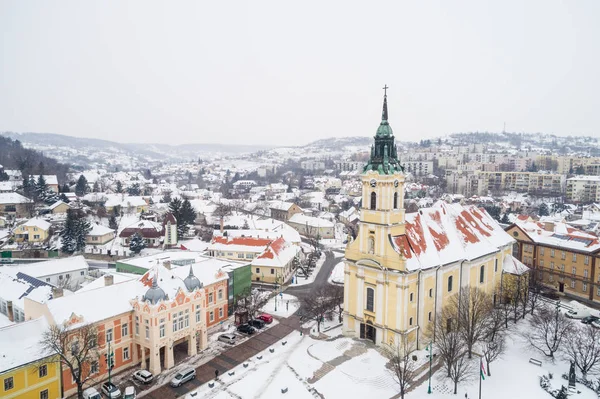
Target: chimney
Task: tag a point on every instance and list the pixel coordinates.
(109, 279)
(167, 264)
(9, 307)
(549, 226)
(57, 292)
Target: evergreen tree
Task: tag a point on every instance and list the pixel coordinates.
(3, 175)
(543, 211)
(187, 216)
(134, 189)
(119, 187)
(112, 222)
(96, 187)
(40, 188)
(74, 231)
(27, 189)
(166, 198)
(137, 243)
(505, 219)
(65, 188)
(82, 186)
(63, 198)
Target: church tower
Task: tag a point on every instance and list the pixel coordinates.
(382, 212)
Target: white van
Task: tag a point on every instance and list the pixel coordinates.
(578, 312)
(91, 393)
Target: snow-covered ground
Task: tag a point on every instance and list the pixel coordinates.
(337, 274)
(286, 305)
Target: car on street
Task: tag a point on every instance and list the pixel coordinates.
(267, 318)
(110, 390)
(549, 293)
(143, 376)
(257, 323)
(246, 329)
(129, 393)
(183, 376)
(590, 319)
(578, 313)
(227, 338)
(91, 393)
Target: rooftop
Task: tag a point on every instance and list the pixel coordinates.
(19, 343)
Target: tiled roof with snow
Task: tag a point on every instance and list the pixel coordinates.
(512, 265)
(20, 343)
(448, 233)
(146, 228)
(559, 235)
(278, 254)
(299, 218)
(239, 244)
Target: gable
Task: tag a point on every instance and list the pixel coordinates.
(518, 234)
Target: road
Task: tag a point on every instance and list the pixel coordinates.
(321, 278)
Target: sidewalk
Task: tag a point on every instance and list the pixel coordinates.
(229, 359)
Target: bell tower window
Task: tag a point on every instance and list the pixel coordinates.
(395, 200)
(373, 200)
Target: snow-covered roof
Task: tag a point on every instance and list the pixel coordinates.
(584, 178)
(13, 198)
(281, 205)
(299, 218)
(16, 285)
(146, 228)
(448, 233)
(559, 235)
(37, 222)
(57, 203)
(52, 267)
(278, 254)
(20, 343)
(99, 230)
(124, 201)
(512, 265)
(239, 244)
(194, 245)
(50, 180)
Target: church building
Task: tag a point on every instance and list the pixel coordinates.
(402, 268)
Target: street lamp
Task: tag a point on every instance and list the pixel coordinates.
(430, 360)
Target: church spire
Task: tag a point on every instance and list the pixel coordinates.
(384, 113)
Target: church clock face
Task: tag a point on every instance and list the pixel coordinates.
(373, 182)
(395, 183)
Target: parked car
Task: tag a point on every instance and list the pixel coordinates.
(590, 319)
(91, 393)
(267, 318)
(596, 324)
(110, 390)
(183, 376)
(549, 293)
(578, 313)
(227, 338)
(143, 376)
(246, 329)
(257, 323)
(129, 393)
(300, 273)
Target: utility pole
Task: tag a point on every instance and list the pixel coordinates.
(430, 361)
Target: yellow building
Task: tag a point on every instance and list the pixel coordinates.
(25, 372)
(402, 268)
(35, 230)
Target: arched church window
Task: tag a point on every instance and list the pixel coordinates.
(371, 245)
(395, 200)
(373, 200)
(370, 299)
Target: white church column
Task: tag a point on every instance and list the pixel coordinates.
(379, 307)
(360, 304)
(399, 306)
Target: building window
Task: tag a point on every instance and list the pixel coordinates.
(43, 371)
(249, 256)
(448, 325)
(431, 293)
(481, 274)
(174, 322)
(542, 262)
(257, 270)
(180, 320)
(541, 250)
(563, 255)
(410, 321)
(584, 287)
(585, 273)
(240, 255)
(574, 257)
(82, 273)
(572, 283)
(450, 283)
(552, 253)
(197, 313)
(551, 265)
(220, 313)
(429, 316)
(598, 291)
(411, 297)
(210, 297)
(495, 265)
(44, 394)
(586, 260)
(8, 384)
(395, 200)
(126, 353)
(272, 271)
(74, 373)
(147, 332)
(373, 201)
(370, 299)
(109, 335)
(124, 330)
(60, 277)
(574, 271)
(95, 367)
(211, 315)
(186, 320)
(161, 329)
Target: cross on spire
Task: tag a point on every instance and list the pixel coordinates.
(385, 90)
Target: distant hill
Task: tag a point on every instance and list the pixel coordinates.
(14, 156)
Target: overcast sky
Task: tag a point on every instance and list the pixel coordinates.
(282, 72)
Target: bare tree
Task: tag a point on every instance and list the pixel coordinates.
(472, 308)
(76, 349)
(251, 300)
(447, 340)
(583, 348)
(401, 364)
(548, 329)
(535, 291)
(337, 296)
(460, 370)
(494, 341)
(317, 305)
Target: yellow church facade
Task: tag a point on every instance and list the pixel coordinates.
(402, 268)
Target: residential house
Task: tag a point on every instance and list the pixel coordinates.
(16, 286)
(25, 370)
(312, 226)
(34, 231)
(68, 273)
(59, 207)
(99, 235)
(14, 205)
(151, 232)
(284, 210)
(170, 226)
(51, 181)
(276, 264)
